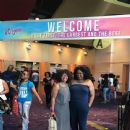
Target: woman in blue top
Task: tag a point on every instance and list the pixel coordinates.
(82, 96)
(26, 88)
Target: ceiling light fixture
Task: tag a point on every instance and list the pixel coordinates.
(60, 50)
(85, 53)
(28, 46)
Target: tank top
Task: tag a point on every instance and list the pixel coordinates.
(79, 92)
(63, 95)
(1, 90)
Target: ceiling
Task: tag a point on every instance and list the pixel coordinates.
(85, 8)
(30, 9)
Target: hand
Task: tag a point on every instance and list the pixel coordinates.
(53, 115)
(40, 101)
(89, 105)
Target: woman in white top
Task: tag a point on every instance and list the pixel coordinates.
(3, 90)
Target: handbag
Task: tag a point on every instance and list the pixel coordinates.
(4, 106)
(52, 125)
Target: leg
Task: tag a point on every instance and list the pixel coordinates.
(25, 122)
(21, 108)
(1, 120)
(82, 117)
(105, 94)
(46, 94)
(49, 97)
(115, 94)
(73, 117)
(110, 94)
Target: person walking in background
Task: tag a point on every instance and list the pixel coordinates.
(116, 86)
(3, 90)
(47, 82)
(106, 89)
(60, 100)
(25, 90)
(35, 79)
(82, 96)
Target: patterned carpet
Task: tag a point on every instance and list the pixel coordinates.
(101, 117)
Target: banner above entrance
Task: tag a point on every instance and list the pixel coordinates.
(67, 29)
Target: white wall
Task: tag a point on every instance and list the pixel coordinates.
(16, 51)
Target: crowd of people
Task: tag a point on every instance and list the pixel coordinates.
(68, 95)
(107, 87)
(18, 83)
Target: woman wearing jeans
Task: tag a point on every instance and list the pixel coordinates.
(3, 90)
(26, 88)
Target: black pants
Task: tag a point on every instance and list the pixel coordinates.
(47, 90)
(78, 115)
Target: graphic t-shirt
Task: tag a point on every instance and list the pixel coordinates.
(25, 92)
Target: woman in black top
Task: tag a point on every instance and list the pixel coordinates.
(47, 87)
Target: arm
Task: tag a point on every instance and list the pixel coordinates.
(92, 93)
(37, 95)
(6, 88)
(12, 85)
(54, 95)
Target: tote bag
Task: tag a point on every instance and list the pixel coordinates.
(52, 125)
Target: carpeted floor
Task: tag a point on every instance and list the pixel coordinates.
(104, 115)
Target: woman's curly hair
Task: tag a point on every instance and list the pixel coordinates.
(86, 72)
(60, 73)
(45, 74)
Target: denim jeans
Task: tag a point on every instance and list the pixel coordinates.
(1, 120)
(106, 94)
(24, 112)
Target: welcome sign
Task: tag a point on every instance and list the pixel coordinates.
(68, 29)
